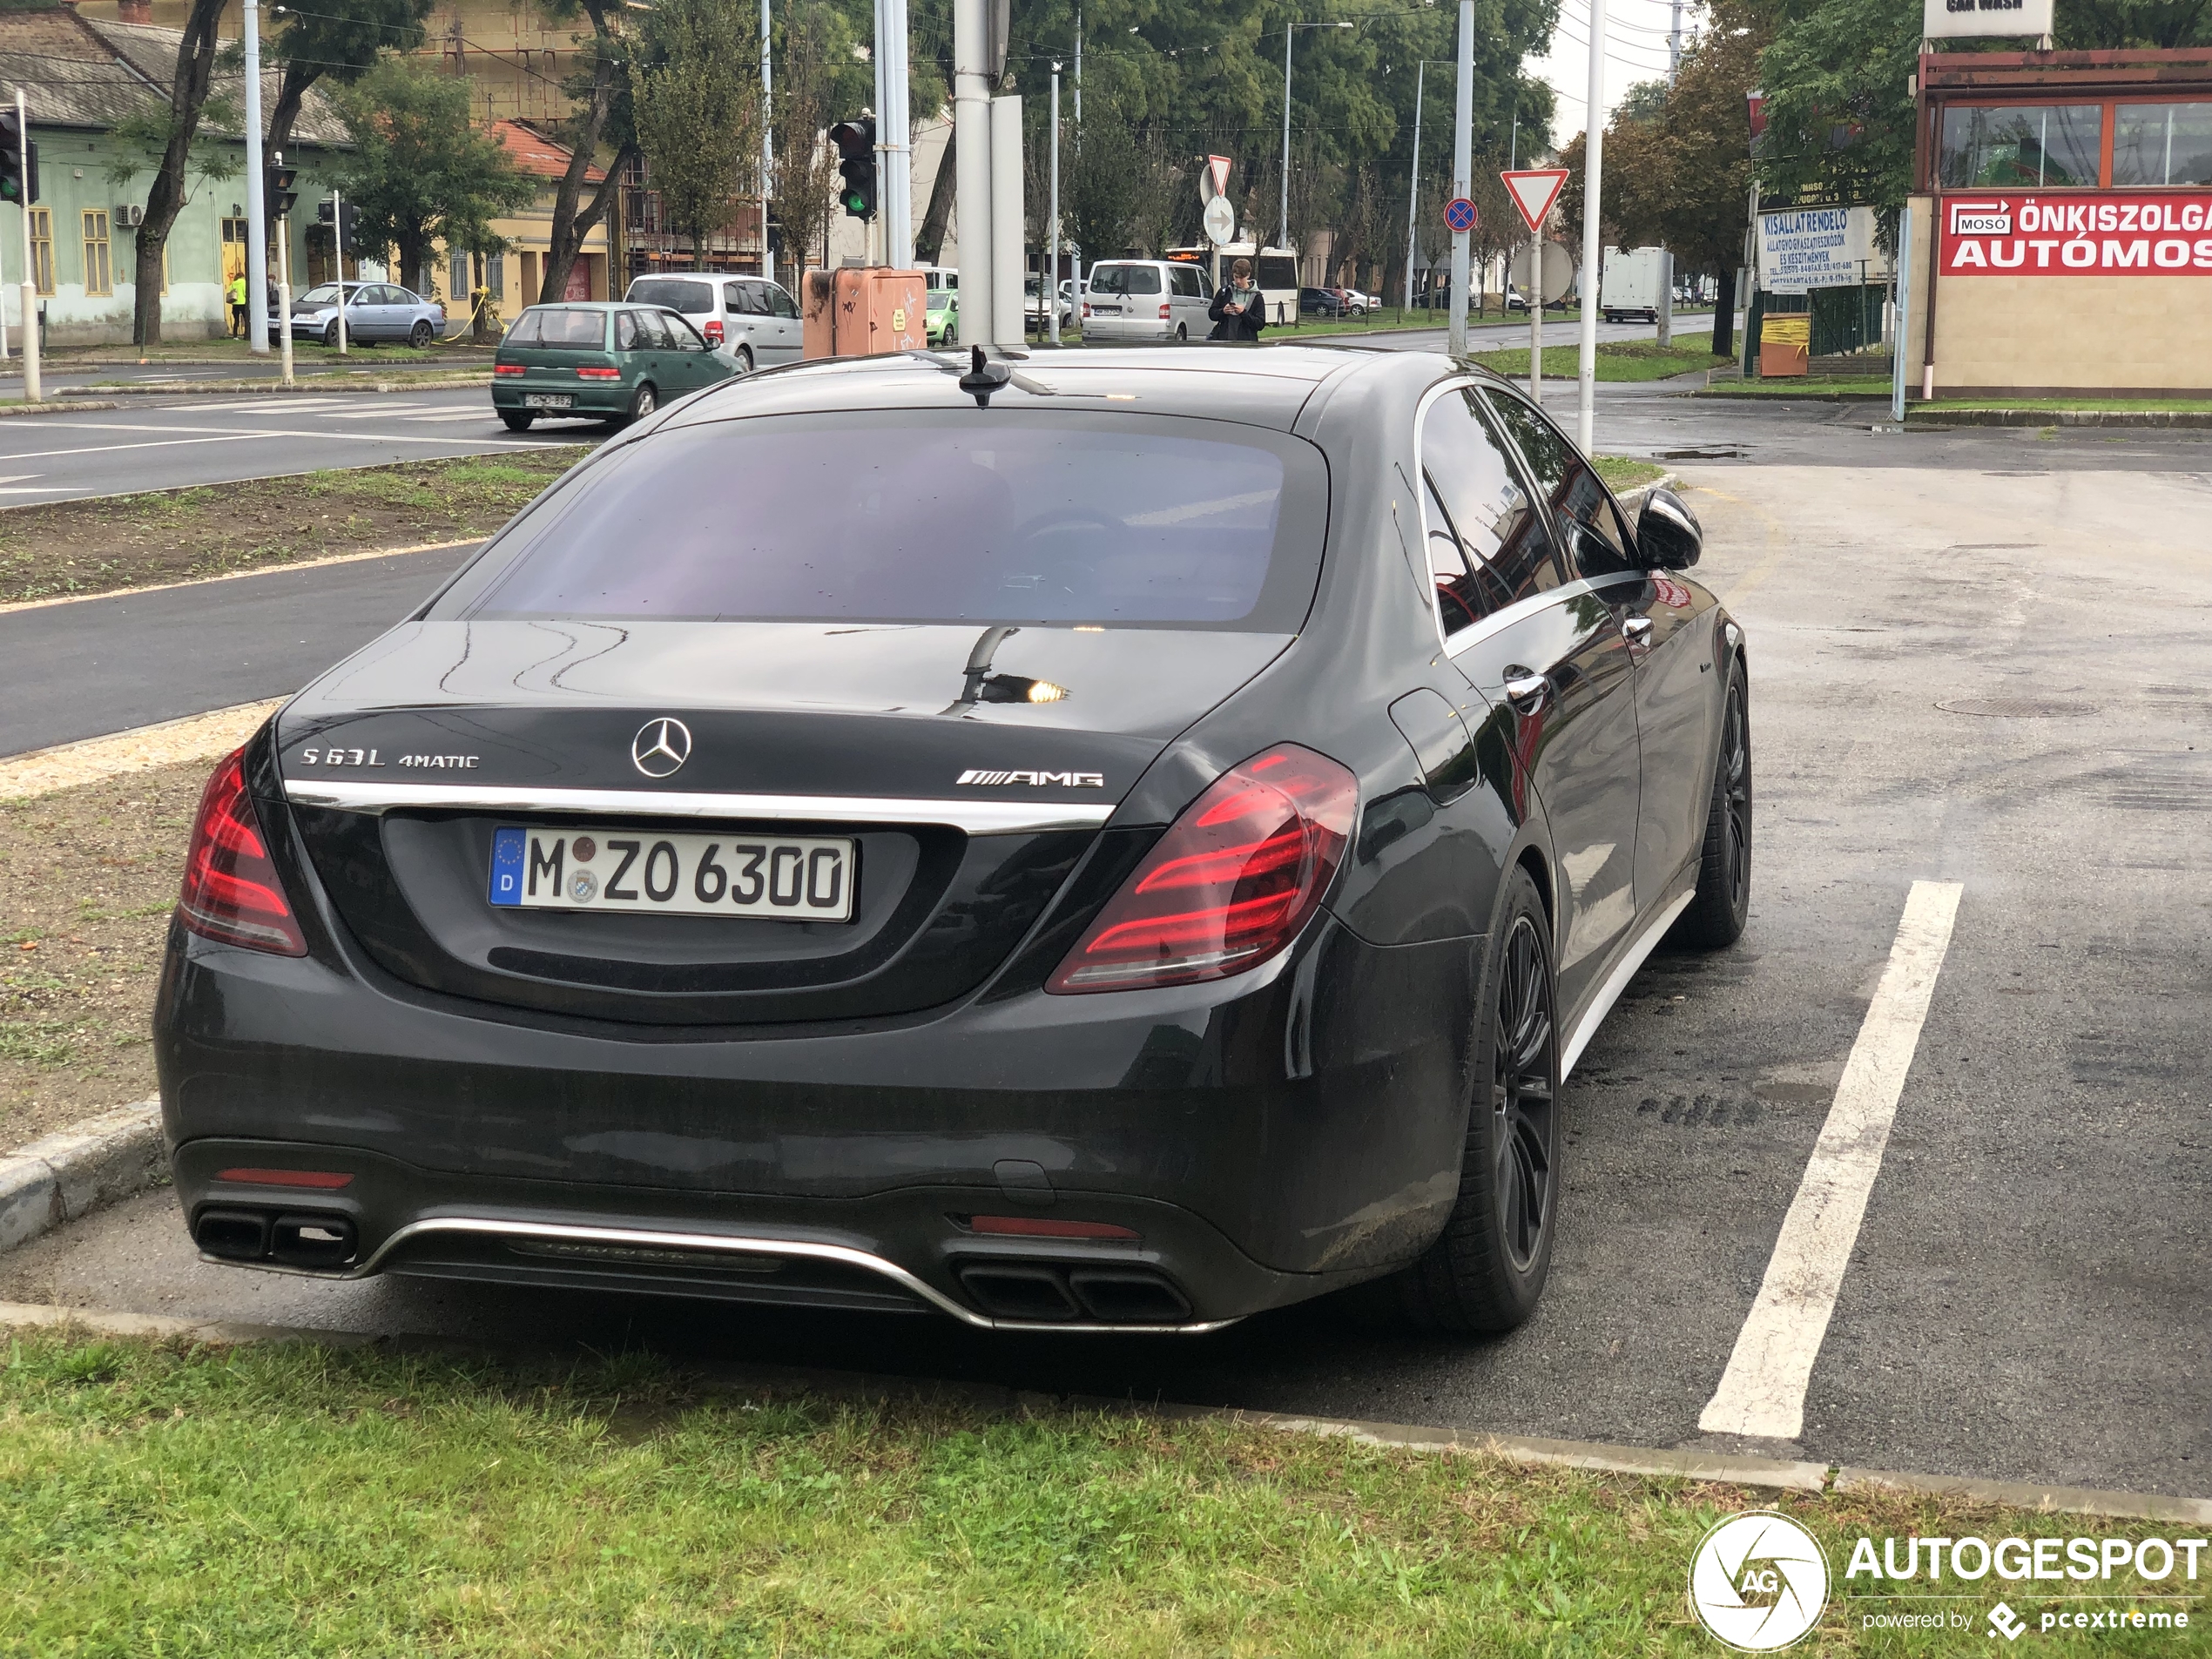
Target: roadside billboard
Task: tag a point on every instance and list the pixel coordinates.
(1804, 248)
(2166, 232)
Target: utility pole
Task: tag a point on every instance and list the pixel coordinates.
(1049, 290)
(31, 391)
(1283, 219)
(1079, 78)
(1593, 237)
(1674, 44)
(256, 230)
(1414, 186)
(284, 285)
(971, 141)
(338, 241)
(893, 136)
(1462, 176)
(767, 143)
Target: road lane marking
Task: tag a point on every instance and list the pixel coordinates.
(456, 414)
(379, 412)
(1763, 1392)
(158, 443)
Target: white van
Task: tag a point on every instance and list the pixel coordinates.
(753, 317)
(1146, 299)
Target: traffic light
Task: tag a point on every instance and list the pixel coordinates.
(277, 194)
(18, 171)
(855, 142)
(327, 211)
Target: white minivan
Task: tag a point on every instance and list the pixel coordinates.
(1146, 299)
(751, 316)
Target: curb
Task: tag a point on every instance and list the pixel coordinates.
(1936, 419)
(75, 1171)
(50, 407)
(1590, 1456)
(1802, 397)
(313, 387)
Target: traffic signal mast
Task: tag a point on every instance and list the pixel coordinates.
(855, 142)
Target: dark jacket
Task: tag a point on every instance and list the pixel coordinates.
(1247, 326)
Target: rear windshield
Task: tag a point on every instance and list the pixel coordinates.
(979, 517)
(1124, 279)
(677, 296)
(558, 329)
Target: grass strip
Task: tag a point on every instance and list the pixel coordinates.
(87, 547)
(1617, 359)
(1623, 472)
(292, 1499)
(1801, 386)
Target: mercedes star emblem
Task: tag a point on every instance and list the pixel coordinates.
(661, 747)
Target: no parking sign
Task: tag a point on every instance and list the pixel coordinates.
(1460, 214)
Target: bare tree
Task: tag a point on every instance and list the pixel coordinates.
(165, 200)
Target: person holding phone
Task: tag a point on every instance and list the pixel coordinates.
(1237, 311)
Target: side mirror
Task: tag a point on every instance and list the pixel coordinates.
(1667, 533)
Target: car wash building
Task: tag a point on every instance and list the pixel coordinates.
(2061, 236)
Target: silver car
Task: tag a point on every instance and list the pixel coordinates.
(375, 311)
(1146, 299)
(753, 318)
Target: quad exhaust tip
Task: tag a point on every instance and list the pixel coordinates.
(317, 1242)
(1050, 1293)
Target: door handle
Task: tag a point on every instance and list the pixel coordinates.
(1525, 690)
(1638, 628)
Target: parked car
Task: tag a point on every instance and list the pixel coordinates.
(941, 322)
(1320, 302)
(376, 312)
(1146, 299)
(613, 361)
(751, 315)
(1035, 310)
(632, 918)
(1354, 302)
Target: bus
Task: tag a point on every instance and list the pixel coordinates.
(1275, 269)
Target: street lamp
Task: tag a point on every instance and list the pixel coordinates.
(1413, 178)
(1282, 237)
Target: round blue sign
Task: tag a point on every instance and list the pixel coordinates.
(1460, 214)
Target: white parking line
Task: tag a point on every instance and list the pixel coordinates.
(379, 413)
(1763, 1392)
(456, 414)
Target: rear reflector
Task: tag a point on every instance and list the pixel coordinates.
(325, 1180)
(1038, 1227)
(599, 374)
(1231, 883)
(233, 892)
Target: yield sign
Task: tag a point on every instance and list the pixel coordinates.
(1217, 175)
(1535, 190)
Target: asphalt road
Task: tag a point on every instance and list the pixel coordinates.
(2024, 1299)
(152, 443)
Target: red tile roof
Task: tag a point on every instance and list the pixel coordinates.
(536, 153)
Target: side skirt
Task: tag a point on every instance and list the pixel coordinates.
(1617, 980)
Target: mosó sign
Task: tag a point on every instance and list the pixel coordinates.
(2165, 233)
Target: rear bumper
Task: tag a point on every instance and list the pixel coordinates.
(1096, 328)
(1267, 1139)
(605, 397)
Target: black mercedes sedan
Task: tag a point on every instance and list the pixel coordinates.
(1118, 841)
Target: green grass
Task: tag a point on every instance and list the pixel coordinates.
(1803, 386)
(290, 1500)
(1622, 472)
(1617, 359)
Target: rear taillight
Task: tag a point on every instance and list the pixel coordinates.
(1086, 311)
(714, 332)
(599, 374)
(1230, 884)
(232, 891)
(1163, 311)
(500, 371)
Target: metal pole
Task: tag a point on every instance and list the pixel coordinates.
(902, 171)
(972, 195)
(256, 230)
(1282, 222)
(33, 393)
(1903, 280)
(1593, 236)
(1413, 184)
(767, 140)
(1674, 44)
(1049, 288)
(338, 241)
(284, 290)
(1462, 165)
(1079, 79)
(1535, 296)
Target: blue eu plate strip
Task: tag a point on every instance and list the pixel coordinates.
(507, 851)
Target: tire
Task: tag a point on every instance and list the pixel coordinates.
(330, 335)
(744, 360)
(1716, 914)
(1487, 1270)
(1183, 333)
(419, 336)
(517, 420)
(642, 403)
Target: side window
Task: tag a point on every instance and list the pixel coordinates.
(653, 330)
(779, 303)
(685, 337)
(1574, 489)
(748, 298)
(1188, 284)
(1487, 546)
(626, 332)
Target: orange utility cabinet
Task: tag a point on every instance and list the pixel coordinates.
(863, 310)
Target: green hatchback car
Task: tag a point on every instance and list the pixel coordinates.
(599, 360)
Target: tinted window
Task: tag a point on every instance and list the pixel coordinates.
(1573, 488)
(748, 298)
(779, 303)
(985, 516)
(2028, 144)
(1124, 279)
(677, 296)
(1487, 545)
(1187, 281)
(557, 329)
(1277, 271)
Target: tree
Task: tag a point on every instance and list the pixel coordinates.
(165, 197)
(600, 97)
(1098, 194)
(341, 41)
(696, 106)
(805, 176)
(422, 171)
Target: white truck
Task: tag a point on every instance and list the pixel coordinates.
(1634, 284)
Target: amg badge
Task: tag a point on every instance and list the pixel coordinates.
(1035, 780)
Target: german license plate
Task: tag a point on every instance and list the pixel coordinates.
(775, 878)
(548, 400)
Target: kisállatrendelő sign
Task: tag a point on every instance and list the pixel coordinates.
(1804, 248)
(2165, 232)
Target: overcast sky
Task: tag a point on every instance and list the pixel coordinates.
(1635, 49)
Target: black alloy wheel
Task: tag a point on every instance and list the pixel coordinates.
(419, 336)
(1487, 1271)
(1722, 903)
